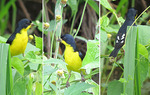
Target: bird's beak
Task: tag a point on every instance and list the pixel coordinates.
(32, 24)
(59, 40)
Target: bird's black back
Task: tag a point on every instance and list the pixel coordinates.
(70, 40)
(24, 23)
(130, 18)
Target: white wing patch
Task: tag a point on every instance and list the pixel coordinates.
(117, 41)
(118, 38)
(123, 36)
(121, 41)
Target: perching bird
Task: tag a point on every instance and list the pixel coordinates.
(120, 38)
(72, 56)
(18, 40)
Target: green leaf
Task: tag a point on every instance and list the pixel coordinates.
(115, 88)
(48, 70)
(104, 21)
(77, 88)
(38, 42)
(94, 5)
(144, 33)
(106, 4)
(38, 88)
(54, 61)
(143, 51)
(2, 39)
(92, 54)
(29, 85)
(103, 36)
(31, 47)
(129, 60)
(33, 58)
(143, 69)
(6, 9)
(18, 65)
(5, 70)
(19, 87)
(95, 89)
(74, 6)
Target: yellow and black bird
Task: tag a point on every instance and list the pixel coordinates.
(18, 40)
(120, 38)
(73, 57)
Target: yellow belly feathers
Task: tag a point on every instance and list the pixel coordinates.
(19, 44)
(72, 59)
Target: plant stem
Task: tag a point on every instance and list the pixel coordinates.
(133, 3)
(109, 77)
(73, 23)
(81, 19)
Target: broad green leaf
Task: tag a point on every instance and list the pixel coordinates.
(92, 54)
(74, 6)
(143, 69)
(77, 88)
(115, 88)
(33, 58)
(144, 33)
(143, 51)
(106, 4)
(54, 61)
(29, 85)
(38, 88)
(2, 39)
(94, 5)
(48, 69)
(18, 65)
(38, 42)
(95, 89)
(31, 47)
(85, 93)
(20, 87)
(129, 60)
(104, 21)
(103, 36)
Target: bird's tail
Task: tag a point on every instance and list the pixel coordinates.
(114, 52)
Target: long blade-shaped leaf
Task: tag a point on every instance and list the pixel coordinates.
(129, 61)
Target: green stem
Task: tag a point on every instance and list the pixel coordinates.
(57, 43)
(81, 19)
(13, 17)
(109, 77)
(133, 3)
(51, 52)
(73, 23)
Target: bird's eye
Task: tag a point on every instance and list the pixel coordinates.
(28, 23)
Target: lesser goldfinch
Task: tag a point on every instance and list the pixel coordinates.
(120, 38)
(73, 57)
(18, 40)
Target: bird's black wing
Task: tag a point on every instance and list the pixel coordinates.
(80, 54)
(120, 40)
(12, 37)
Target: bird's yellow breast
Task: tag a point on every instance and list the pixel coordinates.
(72, 59)
(19, 44)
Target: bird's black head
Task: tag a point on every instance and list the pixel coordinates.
(24, 23)
(131, 14)
(69, 40)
